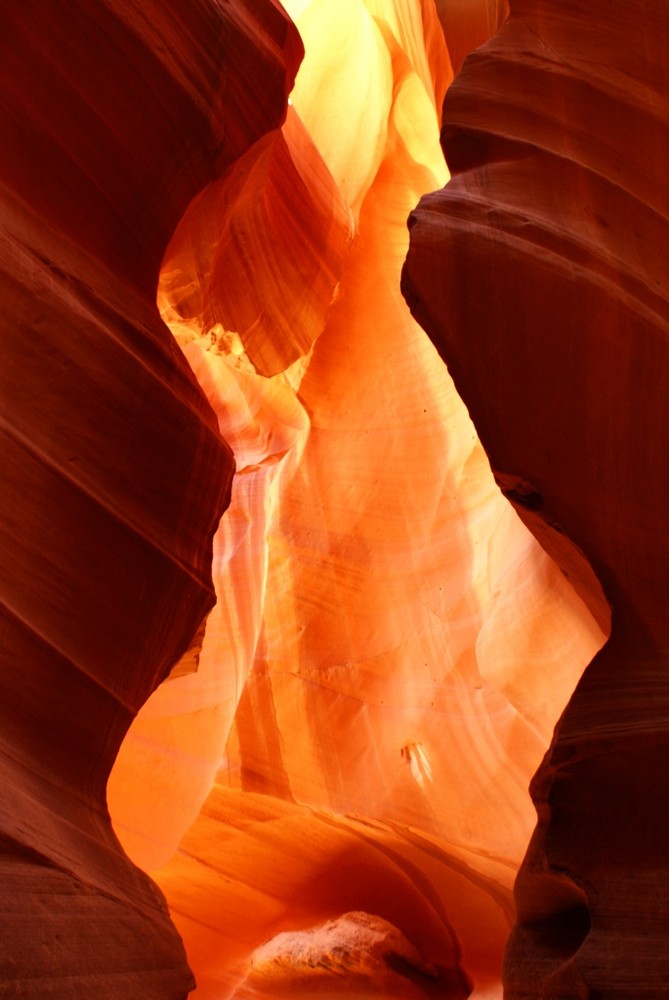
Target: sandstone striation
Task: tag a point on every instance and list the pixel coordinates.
(538, 275)
(113, 118)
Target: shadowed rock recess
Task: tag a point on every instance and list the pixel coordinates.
(541, 276)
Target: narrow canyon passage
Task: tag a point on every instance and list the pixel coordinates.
(333, 618)
(391, 648)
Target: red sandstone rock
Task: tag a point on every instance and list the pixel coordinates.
(468, 24)
(112, 119)
(390, 643)
(540, 274)
(391, 648)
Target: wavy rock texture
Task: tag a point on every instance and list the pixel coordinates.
(539, 274)
(113, 118)
(391, 648)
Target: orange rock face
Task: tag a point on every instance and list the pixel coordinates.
(391, 648)
(556, 132)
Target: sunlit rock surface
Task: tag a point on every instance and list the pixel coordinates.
(254, 866)
(391, 648)
(362, 951)
(113, 116)
(540, 274)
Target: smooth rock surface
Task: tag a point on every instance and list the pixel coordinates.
(114, 474)
(540, 274)
(367, 954)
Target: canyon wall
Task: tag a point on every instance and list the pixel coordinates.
(113, 116)
(539, 274)
(264, 600)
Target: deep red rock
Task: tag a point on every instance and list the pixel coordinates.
(540, 274)
(113, 116)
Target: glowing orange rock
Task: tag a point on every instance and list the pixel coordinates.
(364, 952)
(254, 866)
(180, 736)
(259, 252)
(390, 642)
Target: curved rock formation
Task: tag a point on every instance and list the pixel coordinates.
(354, 727)
(391, 647)
(538, 273)
(360, 950)
(113, 118)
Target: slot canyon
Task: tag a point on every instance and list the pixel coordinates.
(333, 609)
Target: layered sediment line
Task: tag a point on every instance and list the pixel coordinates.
(536, 273)
(114, 472)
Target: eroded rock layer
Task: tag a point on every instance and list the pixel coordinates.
(391, 647)
(539, 273)
(113, 118)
